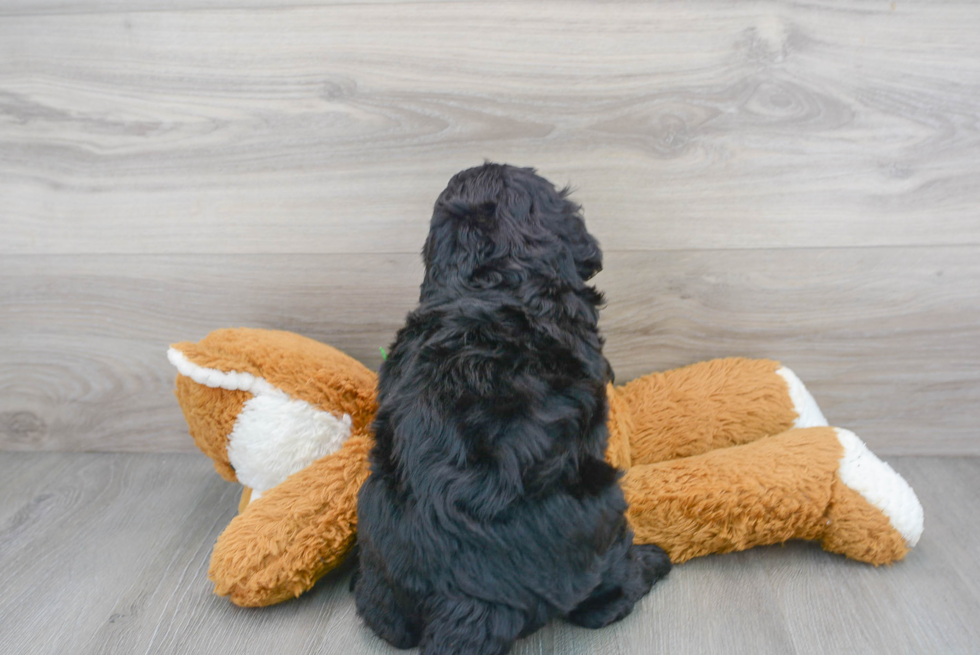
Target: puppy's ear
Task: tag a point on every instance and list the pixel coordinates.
(480, 215)
(461, 235)
(588, 256)
(465, 217)
(584, 248)
(471, 197)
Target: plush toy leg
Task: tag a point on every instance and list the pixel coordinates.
(815, 484)
(709, 405)
(282, 543)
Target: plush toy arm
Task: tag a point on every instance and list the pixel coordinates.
(287, 417)
(297, 531)
(709, 405)
(815, 484)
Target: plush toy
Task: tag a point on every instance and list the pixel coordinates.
(718, 456)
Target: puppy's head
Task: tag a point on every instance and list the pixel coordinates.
(496, 224)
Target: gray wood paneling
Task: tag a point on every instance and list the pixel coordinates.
(108, 553)
(301, 129)
(792, 180)
(47, 7)
(887, 338)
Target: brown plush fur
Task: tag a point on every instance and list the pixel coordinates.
(210, 415)
(860, 530)
(245, 499)
(283, 542)
(704, 475)
(764, 492)
(709, 405)
(303, 368)
(297, 531)
(620, 425)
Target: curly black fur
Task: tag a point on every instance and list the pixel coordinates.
(490, 507)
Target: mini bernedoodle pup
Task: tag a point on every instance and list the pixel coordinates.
(490, 507)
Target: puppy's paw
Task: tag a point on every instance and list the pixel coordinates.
(653, 562)
(642, 566)
(602, 609)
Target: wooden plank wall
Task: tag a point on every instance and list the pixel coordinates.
(790, 180)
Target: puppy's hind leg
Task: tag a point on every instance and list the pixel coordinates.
(467, 626)
(631, 574)
(377, 605)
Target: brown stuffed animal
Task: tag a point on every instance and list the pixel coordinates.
(718, 456)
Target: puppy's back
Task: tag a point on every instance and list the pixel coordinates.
(490, 507)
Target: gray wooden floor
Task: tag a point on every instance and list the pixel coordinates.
(108, 553)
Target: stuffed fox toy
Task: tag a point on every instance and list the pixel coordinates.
(719, 456)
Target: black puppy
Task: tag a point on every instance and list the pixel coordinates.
(490, 507)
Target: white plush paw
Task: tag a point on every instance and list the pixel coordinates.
(880, 485)
(808, 414)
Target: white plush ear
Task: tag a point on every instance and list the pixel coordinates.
(808, 414)
(274, 435)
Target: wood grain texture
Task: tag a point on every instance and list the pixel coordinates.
(297, 129)
(769, 179)
(74, 538)
(108, 553)
(888, 339)
(60, 7)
